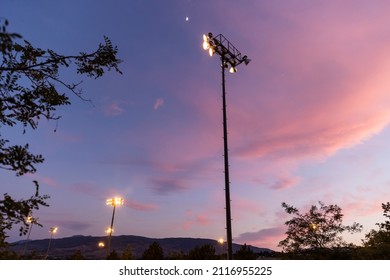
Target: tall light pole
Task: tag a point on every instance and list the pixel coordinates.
(114, 202)
(230, 56)
(52, 231)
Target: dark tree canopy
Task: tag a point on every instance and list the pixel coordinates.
(31, 88)
(154, 252)
(204, 252)
(113, 255)
(14, 212)
(77, 255)
(377, 242)
(320, 228)
(127, 254)
(245, 253)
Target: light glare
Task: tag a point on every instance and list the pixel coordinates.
(53, 230)
(206, 45)
(116, 201)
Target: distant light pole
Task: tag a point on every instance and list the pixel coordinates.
(116, 201)
(30, 220)
(229, 56)
(221, 242)
(52, 231)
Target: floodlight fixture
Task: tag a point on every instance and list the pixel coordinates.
(229, 54)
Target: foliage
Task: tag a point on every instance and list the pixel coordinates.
(14, 212)
(31, 89)
(320, 228)
(177, 255)
(377, 242)
(8, 255)
(77, 255)
(245, 253)
(154, 252)
(127, 254)
(113, 255)
(205, 252)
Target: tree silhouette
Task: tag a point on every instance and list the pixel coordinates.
(154, 252)
(113, 255)
(77, 255)
(245, 253)
(127, 254)
(320, 228)
(177, 255)
(204, 252)
(14, 212)
(31, 89)
(377, 242)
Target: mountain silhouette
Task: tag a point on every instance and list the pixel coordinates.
(62, 248)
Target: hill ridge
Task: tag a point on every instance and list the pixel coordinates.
(88, 245)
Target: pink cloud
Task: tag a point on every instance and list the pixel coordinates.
(169, 167)
(363, 203)
(358, 209)
(244, 206)
(73, 225)
(266, 238)
(49, 181)
(87, 188)
(325, 89)
(113, 109)
(317, 96)
(203, 219)
(140, 206)
(158, 103)
(66, 136)
(45, 180)
(195, 220)
(164, 186)
(285, 182)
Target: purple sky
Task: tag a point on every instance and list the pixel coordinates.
(307, 118)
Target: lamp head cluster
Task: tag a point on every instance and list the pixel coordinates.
(229, 54)
(109, 230)
(53, 230)
(116, 201)
(31, 220)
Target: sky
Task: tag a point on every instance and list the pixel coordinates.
(308, 118)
